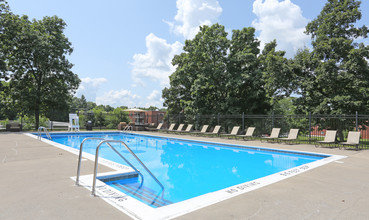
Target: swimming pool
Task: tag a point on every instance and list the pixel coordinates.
(190, 169)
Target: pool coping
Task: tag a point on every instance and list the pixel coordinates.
(138, 210)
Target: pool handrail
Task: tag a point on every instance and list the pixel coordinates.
(127, 128)
(80, 158)
(133, 154)
(46, 132)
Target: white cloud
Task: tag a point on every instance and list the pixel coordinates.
(155, 64)
(194, 13)
(89, 87)
(154, 99)
(118, 98)
(154, 95)
(282, 21)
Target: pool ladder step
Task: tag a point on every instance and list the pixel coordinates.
(143, 193)
(109, 142)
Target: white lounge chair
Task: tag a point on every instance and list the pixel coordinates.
(189, 129)
(179, 129)
(215, 131)
(233, 133)
(273, 135)
(203, 130)
(171, 128)
(249, 133)
(353, 139)
(160, 125)
(292, 136)
(330, 138)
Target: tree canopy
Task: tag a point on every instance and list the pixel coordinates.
(35, 53)
(215, 74)
(333, 78)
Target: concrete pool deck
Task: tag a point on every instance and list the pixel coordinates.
(35, 184)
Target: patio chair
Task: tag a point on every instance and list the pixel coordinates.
(203, 130)
(152, 127)
(179, 129)
(171, 127)
(330, 138)
(160, 125)
(292, 136)
(233, 133)
(249, 133)
(353, 139)
(189, 129)
(273, 135)
(215, 131)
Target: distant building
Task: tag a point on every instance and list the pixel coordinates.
(155, 117)
(141, 117)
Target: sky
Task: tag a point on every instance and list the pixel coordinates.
(123, 48)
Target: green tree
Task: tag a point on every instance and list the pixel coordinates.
(151, 108)
(285, 106)
(118, 115)
(83, 102)
(278, 78)
(196, 85)
(244, 83)
(40, 74)
(217, 75)
(99, 116)
(334, 77)
(4, 42)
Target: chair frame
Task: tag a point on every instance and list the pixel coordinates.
(353, 139)
(292, 136)
(249, 133)
(189, 129)
(329, 138)
(203, 130)
(215, 131)
(274, 135)
(233, 133)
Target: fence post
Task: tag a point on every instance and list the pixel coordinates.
(197, 121)
(272, 119)
(357, 122)
(218, 118)
(309, 127)
(179, 118)
(243, 121)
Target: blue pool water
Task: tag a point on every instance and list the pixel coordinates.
(186, 168)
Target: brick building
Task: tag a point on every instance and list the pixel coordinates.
(141, 117)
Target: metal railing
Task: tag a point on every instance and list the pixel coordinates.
(119, 154)
(127, 128)
(46, 132)
(80, 158)
(312, 126)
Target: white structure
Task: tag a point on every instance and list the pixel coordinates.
(73, 122)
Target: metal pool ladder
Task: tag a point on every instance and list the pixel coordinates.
(46, 132)
(80, 158)
(127, 128)
(117, 152)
